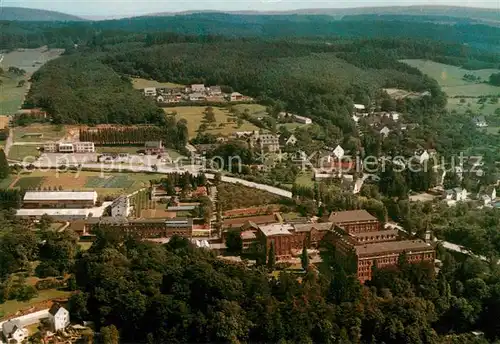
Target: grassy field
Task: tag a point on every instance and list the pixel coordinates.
(139, 83)
(20, 152)
(49, 133)
(108, 185)
(471, 104)
(255, 109)
(11, 96)
(12, 306)
(305, 179)
(450, 78)
(194, 115)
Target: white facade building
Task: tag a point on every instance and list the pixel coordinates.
(58, 317)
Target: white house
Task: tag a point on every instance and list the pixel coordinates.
(160, 99)
(121, 207)
(200, 88)
(385, 131)
(355, 118)
(292, 140)
(359, 107)
(488, 196)
(150, 92)
(456, 194)
(423, 157)
(303, 120)
(58, 317)
(480, 122)
(14, 332)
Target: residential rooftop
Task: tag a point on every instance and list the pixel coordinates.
(307, 227)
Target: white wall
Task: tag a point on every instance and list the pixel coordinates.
(30, 319)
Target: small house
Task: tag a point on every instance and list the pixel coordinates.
(58, 317)
(198, 88)
(385, 131)
(150, 92)
(291, 141)
(236, 96)
(480, 122)
(13, 331)
(359, 108)
(196, 97)
(456, 194)
(215, 90)
(154, 147)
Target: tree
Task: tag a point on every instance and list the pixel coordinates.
(110, 335)
(234, 243)
(304, 257)
(271, 257)
(4, 165)
(495, 79)
(21, 83)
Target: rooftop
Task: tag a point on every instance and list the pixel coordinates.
(393, 247)
(96, 211)
(276, 229)
(376, 233)
(307, 227)
(60, 196)
(351, 216)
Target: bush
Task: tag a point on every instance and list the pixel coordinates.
(45, 269)
(26, 293)
(48, 284)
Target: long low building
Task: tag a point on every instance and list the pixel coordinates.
(144, 228)
(63, 214)
(60, 199)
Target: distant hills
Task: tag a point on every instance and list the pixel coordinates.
(30, 14)
(480, 14)
(446, 13)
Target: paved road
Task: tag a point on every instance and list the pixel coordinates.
(193, 169)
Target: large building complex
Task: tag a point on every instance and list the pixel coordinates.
(354, 233)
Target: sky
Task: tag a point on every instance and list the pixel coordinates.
(112, 8)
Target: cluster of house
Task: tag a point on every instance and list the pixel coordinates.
(15, 331)
(192, 93)
(354, 233)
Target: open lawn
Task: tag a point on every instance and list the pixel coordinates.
(471, 104)
(21, 152)
(139, 83)
(305, 179)
(194, 115)
(450, 78)
(49, 133)
(12, 306)
(11, 96)
(255, 109)
(108, 185)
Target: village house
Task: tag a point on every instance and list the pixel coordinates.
(150, 92)
(235, 97)
(456, 194)
(58, 318)
(197, 96)
(488, 195)
(154, 147)
(13, 331)
(198, 88)
(359, 108)
(480, 122)
(215, 90)
(385, 131)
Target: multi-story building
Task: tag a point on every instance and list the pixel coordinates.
(154, 147)
(269, 142)
(69, 147)
(59, 199)
(355, 221)
(278, 235)
(121, 207)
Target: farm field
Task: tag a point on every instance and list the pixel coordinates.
(12, 306)
(49, 133)
(450, 78)
(194, 117)
(108, 185)
(139, 83)
(11, 96)
(19, 153)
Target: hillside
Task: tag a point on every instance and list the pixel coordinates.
(30, 14)
(481, 14)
